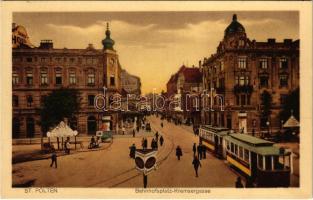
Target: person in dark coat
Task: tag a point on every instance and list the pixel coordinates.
(238, 183)
(132, 151)
(161, 140)
(199, 149)
(203, 151)
(196, 163)
(145, 143)
(54, 159)
(157, 135)
(179, 152)
(152, 143)
(194, 149)
(162, 124)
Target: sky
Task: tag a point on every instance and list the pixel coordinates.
(154, 45)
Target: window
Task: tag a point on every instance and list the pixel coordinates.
(222, 66)
(263, 63)
(72, 60)
(15, 78)
(29, 101)
(94, 60)
(91, 78)
(283, 98)
(29, 78)
(242, 80)
(241, 152)
(246, 155)
(227, 145)
(29, 59)
(91, 100)
(237, 100)
(44, 77)
(243, 99)
(268, 162)
(43, 59)
(72, 78)
(89, 61)
(283, 63)
(236, 149)
(242, 63)
(260, 161)
(58, 77)
(232, 147)
(283, 80)
(15, 101)
(263, 81)
(112, 80)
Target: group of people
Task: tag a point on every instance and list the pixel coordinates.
(196, 162)
(199, 150)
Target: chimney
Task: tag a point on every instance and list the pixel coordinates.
(271, 41)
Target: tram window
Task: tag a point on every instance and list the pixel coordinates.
(232, 147)
(268, 162)
(220, 140)
(236, 149)
(240, 152)
(260, 161)
(277, 164)
(227, 145)
(246, 155)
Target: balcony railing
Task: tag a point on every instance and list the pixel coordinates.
(243, 89)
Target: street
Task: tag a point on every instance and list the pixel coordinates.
(112, 166)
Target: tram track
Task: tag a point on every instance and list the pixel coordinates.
(132, 173)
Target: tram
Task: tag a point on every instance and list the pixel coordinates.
(258, 160)
(212, 138)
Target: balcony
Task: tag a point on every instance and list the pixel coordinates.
(243, 89)
(220, 90)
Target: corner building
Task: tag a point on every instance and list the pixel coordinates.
(240, 71)
(39, 70)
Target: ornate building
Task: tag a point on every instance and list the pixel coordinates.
(240, 71)
(130, 83)
(37, 71)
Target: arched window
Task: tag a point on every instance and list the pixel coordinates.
(91, 125)
(29, 99)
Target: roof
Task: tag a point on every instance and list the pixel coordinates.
(217, 130)
(292, 122)
(234, 27)
(254, 141)
(261, 150)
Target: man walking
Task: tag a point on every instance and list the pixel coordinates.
(199, 149)
(161, 140)
(53, 158)
(194, 149)
(179, 152)
(196, 163)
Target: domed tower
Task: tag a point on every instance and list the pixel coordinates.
(107, 42)
(234, 28)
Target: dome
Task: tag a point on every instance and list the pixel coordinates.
(234, 27)
(108, 43)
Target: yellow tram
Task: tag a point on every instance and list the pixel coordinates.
(258, 159)
(212, 138)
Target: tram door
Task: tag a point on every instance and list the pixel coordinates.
(253, 163)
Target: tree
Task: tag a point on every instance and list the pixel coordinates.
(60, 104)
(266, 101)
(292, 104)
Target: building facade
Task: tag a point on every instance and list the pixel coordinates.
(37, 71)
(240, 71)
(130, 83)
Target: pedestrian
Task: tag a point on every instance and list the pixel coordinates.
(53, 158)
(132, 151)
(152, 144)
(157, 135)
(145, 143)
(199, 149)
(156, 145)
(134, 133)
(238, 183)
(203, 148)
(162, 124)
(179, 152)
(137, 128)
(194, 149)
(68, 146)
(161, 140)
(196, 163)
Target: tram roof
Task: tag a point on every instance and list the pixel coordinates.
(214, 128)
(257, 145)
